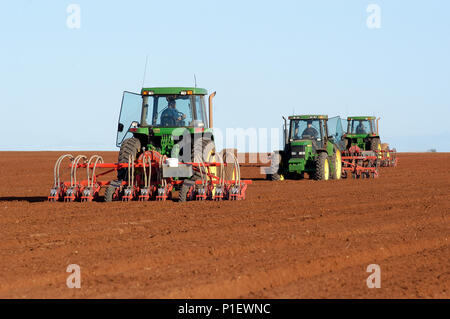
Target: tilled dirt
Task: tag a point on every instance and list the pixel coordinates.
(291, 239)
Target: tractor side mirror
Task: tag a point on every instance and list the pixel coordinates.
(120, 128)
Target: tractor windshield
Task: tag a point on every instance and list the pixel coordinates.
(361, 127)
(306, 129)
(173, 111)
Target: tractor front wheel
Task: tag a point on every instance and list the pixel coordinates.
(322, 167)
(275, 163)
(111, 192)
(337, 162)
(276, 177)
(186, 191)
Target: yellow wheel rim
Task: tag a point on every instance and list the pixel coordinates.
(338, 164)
(326, 170)
(379, 151)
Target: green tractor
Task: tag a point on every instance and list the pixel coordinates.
(312, 145)
(169, 120)
(363, 135)
(362, 131)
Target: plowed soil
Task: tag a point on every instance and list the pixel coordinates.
(291, 239)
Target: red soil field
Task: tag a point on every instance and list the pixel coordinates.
(290, 239)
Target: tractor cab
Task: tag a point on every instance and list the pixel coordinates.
(315, 130)
(362, 131)
(308, 130)
(184, 109)
(361, 125)
(161, 110)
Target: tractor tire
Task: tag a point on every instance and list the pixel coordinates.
(275, 177)
(185, 187)
(131, 146)
(110, 191)
(203, 147)
(375, 144)
(276, 157)
(322, 172)
(337, 160)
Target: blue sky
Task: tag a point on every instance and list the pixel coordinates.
(61, 88)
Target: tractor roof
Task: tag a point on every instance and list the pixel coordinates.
(173, 90)
(308, 117)
(362, 118)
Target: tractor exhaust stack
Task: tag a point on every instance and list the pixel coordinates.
(285, 132)
(211, 96)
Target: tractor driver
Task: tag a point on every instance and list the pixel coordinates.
(309, 130)
(171, 116)
(360, 128)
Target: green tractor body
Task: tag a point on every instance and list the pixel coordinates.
(166, 144)
(310, 146)
(362, 131)
(169, 120)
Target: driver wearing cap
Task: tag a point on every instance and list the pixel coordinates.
(309, 130)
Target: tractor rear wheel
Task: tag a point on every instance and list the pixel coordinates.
(322, 167)
(130, 146)
(205, 149)
(375, 144)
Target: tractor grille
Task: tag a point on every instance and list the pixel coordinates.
(298, 151)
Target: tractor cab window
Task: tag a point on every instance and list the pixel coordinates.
(168, 110)
(306, 130)
(200, 118)
(361, 127)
